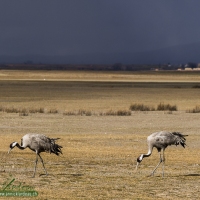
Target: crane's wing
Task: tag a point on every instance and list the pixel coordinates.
(41, 143)
(55, 148)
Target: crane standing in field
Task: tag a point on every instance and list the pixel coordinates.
(38, 143)
(161, 140)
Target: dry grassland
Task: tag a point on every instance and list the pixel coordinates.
(99, 152)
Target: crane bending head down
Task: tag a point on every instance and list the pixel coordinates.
(161, 140)
(38, 143)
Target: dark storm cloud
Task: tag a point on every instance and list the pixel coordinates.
(50, 27)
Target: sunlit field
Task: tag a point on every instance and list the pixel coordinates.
(100, 150)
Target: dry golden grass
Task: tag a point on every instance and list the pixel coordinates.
(126, 76)
(95, 95)
(99, 152)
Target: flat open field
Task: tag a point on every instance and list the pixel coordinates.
(100, 151)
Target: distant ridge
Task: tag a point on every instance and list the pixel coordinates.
(175, 55)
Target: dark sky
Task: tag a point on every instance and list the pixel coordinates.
(71, 27)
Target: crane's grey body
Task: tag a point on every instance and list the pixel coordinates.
(161, 140)
(38, 143)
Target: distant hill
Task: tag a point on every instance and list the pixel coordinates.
(175, 55)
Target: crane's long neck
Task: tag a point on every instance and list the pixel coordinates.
(140, 158)
(149, 153)
(19, 146)
(146, 155)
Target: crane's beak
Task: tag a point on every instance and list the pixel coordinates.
(9, 150)
(137, 166)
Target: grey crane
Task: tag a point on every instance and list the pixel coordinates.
(38, 143)
(161, 140)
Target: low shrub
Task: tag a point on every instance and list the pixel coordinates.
(11, 110)
(117, 113)
(196, 86)
(69, 113)
(194, 110)
(36, 110)
(123, 112)
(141, 107)
(53, 111)
(110, 112)
(164, 107)
(1, 109)
(88, 113)
(81, 112)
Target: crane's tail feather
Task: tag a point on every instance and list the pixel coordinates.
(180, 139)
(55, 148)
(55, 138)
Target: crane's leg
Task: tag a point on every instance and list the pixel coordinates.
(157, 164)
(35, 165)
(163, 161)
(43, 164)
